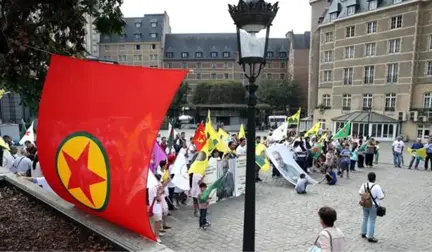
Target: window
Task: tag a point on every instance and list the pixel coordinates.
(153, 24)
(137, 35)
(169, 55)
(282, 55)
(350, 31)
(184, 65)
(397, 1)
(269, 76)
(327, 76)
(213, 76)
(168, 65)
(390, 102)
(198, 76)
(121, 47)
(429, 68)
(137, 24)
(153, 35)
(153, 57)
(372, 27)
(349, 52)
(185, 55)
(373, 4)
(351, 10)
(348, 76)
(323, 123)
(153, 46)
(369, 74)
(346, 102)
(396, 22)
(392, 72)
(423, 131)
(328, 37)
(430, 42)
(226, 54)
(269, 54)
(106, 48)
(282, 76)
(137, 58)
(122, 58)
(333, 16)
(427, 100)
(213, 65)
(326, 101)
(282, 65)
(137, 47)
(226, 76)
(370, 49)
(198, 65)
(394, 45)
(213, 54)
(198, 55)
(367, 101)
(328, 56)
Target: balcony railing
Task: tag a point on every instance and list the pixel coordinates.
(346, 108)
(389, 109)
(366, 108)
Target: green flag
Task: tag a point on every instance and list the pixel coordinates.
(363, 147)
(218, 183)
(316, 151)
(344, 132)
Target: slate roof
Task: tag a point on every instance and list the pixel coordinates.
(362, 117)
(224, 44)
(301, 41)
(144, 30)
(341, 6)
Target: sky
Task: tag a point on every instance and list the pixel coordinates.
(211, 16)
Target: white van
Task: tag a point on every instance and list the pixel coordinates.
(276, 120)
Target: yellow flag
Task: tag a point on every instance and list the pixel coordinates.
(420, 153)
(241, 133)
(294, 119)
(201, 162)
(3, 144)
(260, 157)
(165, 176)
(323, 138)
(223, 135)
(213, 139)
(314, 130)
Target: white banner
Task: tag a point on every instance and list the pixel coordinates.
(228, 185)
(180, 171)
(283, 160)
(239, 169)
(211, 175)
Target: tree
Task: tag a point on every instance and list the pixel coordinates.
(31, 28)
(281, 95)
(180, 99)
(219, 92)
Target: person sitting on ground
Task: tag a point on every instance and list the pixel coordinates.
(22, 164)
(302, 184)
(330, 176)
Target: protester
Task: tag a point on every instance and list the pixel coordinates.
(370, 151)
(22, 164)
(301, 184)
(30, 150)
(197, 179)
(360, 155)
(345, 160)
(241, 149)
(9, 157)
(354, 156)
(155, 207)
(369, 190)
(428, 158)
(377, 152)
(416, 146)
(398, 147)
(203, 205)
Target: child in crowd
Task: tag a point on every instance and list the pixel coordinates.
(329, 159)
(377, 152)
(330, 176)
(353, 156)
(203, 205)
(345, 160)
(302, 184)
(197, 179)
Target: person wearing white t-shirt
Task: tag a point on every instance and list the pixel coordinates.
(370, 214)
(242, 148)
(8, 159)
(155, 203)
(190, 153)
(398, 147)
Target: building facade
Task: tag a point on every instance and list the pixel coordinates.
(92, 37)
(372, 59)
(148, 41)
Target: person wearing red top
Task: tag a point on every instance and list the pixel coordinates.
(164, 143)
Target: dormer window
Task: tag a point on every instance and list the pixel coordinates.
(351, 10)
(153, 24)
(213, 54)
(137, 24)
(333, 16)
(373, 4)
(226, 54)
(137, 35)
(169, 55)
(282, 55)
(269, 54)
(153, 35)
(184, 55)
(198, 55)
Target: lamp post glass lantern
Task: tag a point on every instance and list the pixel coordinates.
(253, 19)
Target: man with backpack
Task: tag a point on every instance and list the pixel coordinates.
(371, 195)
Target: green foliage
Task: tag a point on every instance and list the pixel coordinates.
(219, 92)
(280, 95)
(34, 27)
(180, 97)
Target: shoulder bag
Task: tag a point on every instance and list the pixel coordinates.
(316, 248)
(381, 211)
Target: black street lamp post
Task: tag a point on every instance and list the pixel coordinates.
(253, 19)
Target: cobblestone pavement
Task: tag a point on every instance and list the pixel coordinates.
(286, 221)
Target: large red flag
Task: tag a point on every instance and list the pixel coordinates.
(97, 127)
(200, 138)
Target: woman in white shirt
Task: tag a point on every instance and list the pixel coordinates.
(22, 164)
(214, 158)
(370, 214)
